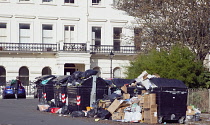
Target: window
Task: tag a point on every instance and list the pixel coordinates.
(3, 32)
(96, 2)
(69, 34)
(117, 38)
(47, 0)
(68, 1)
(96, 36)
(25, 0)
(24, 75)
(4, 0)
(47, 33)
(2, 76)
(24, 36)
(137, 37)
(117, 73)
(115, 2)
(46, 71)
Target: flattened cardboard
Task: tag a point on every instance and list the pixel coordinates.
(124, 89)
(115, 104)
(126, 96)
(117, 116)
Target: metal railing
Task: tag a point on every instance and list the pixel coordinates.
(78, 47)
(69, 47)
(200, 98)
(28, 47)
(115, 49)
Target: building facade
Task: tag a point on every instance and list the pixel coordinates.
(59, 37)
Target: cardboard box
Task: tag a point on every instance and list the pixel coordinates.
(104, 103)
(107, 103)
(146, 103)
(150, 114)
(143, 91)
(118, 116)
(190, 111)
(115, 104)
(124, 89)
(120, 110)
(141, 100)
(149, 99)
(43, 107)
(152, 99)
(126, 96)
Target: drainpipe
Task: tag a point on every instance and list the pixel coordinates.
(87, 15)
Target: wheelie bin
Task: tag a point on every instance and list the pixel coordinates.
(39, 84)
(86, 93)
(45, 90)
(60, 90)
(171, 99)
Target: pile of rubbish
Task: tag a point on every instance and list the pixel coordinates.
(129, 100)
(78, 77)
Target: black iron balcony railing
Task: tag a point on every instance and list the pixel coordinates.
(115, 49)
(28, 47)
(75, 47)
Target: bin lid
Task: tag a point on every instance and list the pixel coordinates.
(61, 79)
(99, 82)
(43, 77)
(164, 82)
(121, 82)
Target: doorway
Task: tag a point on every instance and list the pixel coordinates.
(69, 69)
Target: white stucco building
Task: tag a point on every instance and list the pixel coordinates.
(59, 37)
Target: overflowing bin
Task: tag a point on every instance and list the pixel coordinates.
(84, 95)
(171, 99)
(132, 90)
(44, 86)
(60, 90)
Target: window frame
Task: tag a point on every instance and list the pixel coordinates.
(47, 1)
(25, 0)
(20, 36)
(74, 33)
(4, 1)
(117, 41)
(42, 33)
(69, 2)
(96, 3)
(96, 39)
(6, 31)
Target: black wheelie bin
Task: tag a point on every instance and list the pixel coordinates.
(79, 96)
(60, 90)
(39, 84)
(171, 99)
(45, 88)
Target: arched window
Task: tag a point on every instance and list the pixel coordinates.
(24, 75)
(99, 71)
(117, 72)
(2, 76)
(46, 71)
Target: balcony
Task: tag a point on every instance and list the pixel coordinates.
(28, 47)
(115, 49)
(66, 47)
(75, 47)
